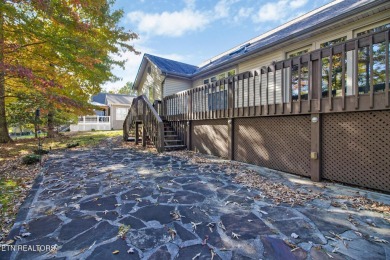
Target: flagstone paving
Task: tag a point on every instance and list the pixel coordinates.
(130, 204)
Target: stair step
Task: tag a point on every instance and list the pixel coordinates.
(174, 146)
(171, 141)
(170, 135)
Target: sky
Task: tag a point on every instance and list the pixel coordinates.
(193, 31)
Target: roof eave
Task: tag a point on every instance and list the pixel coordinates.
(319, 28)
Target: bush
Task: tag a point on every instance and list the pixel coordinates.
(41, 151)
(31, 159)
(71, 145)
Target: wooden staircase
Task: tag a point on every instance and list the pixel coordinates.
(171, 140)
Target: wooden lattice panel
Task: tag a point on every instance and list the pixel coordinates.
(356, 148)
(281, 143)
(210, 137)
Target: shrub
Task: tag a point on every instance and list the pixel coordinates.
(71, 145)
(31, 159)
(41, 151)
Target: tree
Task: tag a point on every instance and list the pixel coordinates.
(127, 89)
(60, 49)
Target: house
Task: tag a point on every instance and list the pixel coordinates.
(310, 97)
(110, 112)
(335, 22)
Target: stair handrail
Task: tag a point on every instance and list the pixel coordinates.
(150, 119)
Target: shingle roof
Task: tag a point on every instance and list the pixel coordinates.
(310, 21)
(106, 98)
(171, 66)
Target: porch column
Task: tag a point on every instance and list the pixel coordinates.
(315, 154)
(143, 135)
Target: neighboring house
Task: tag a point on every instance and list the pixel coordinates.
(333, 23)
(110, 114)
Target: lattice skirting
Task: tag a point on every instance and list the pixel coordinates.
(281, 143)
(356, 148)
(210, 137)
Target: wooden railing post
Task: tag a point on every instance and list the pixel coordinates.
(231, 139)
(160, 137)
(315, 154)
(144, 123)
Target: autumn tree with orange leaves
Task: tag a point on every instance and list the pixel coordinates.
(58, 50)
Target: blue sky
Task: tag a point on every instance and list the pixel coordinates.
(193, 31)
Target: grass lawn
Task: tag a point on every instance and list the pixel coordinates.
(16, 178)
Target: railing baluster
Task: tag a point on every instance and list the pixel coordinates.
(282, 86)
(330, 89)
(387, 102)
(267, 91)
(248, 86)
(260, 90)
(343, 77)
(356, 78)
(242, 95)
(274, 79)
(310, 83)
(254, 93)
(290, 85)
(299, 83)
(372, 71)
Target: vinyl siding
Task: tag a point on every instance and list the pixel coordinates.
(151, 83)
(173, 86)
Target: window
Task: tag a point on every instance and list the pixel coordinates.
(336, 81)
(231, 73)
(121, 113)
(376, 29)
(379, 54)
(303, 74)
(220, 76)
(333, 42)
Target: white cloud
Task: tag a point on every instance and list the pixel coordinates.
(277, 11)
(297, 3)
(169, 23)
(178, 23)
(243, 13)
(222, 8)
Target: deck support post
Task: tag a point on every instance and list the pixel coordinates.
(188, 134)
(231, 138)
(315, 154)
(136, 133)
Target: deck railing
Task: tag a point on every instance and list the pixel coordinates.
(142, 112)
(350, 76)
(94, 120)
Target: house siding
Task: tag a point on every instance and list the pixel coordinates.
(151, 83)
(116, 124)
(172, 86)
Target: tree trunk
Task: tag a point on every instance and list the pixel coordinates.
(4, 136)
(50, 125)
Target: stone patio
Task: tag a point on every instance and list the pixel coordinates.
(120, 203)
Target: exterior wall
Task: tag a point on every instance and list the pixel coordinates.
(116, 124)
(173, 86)
(151, 83)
